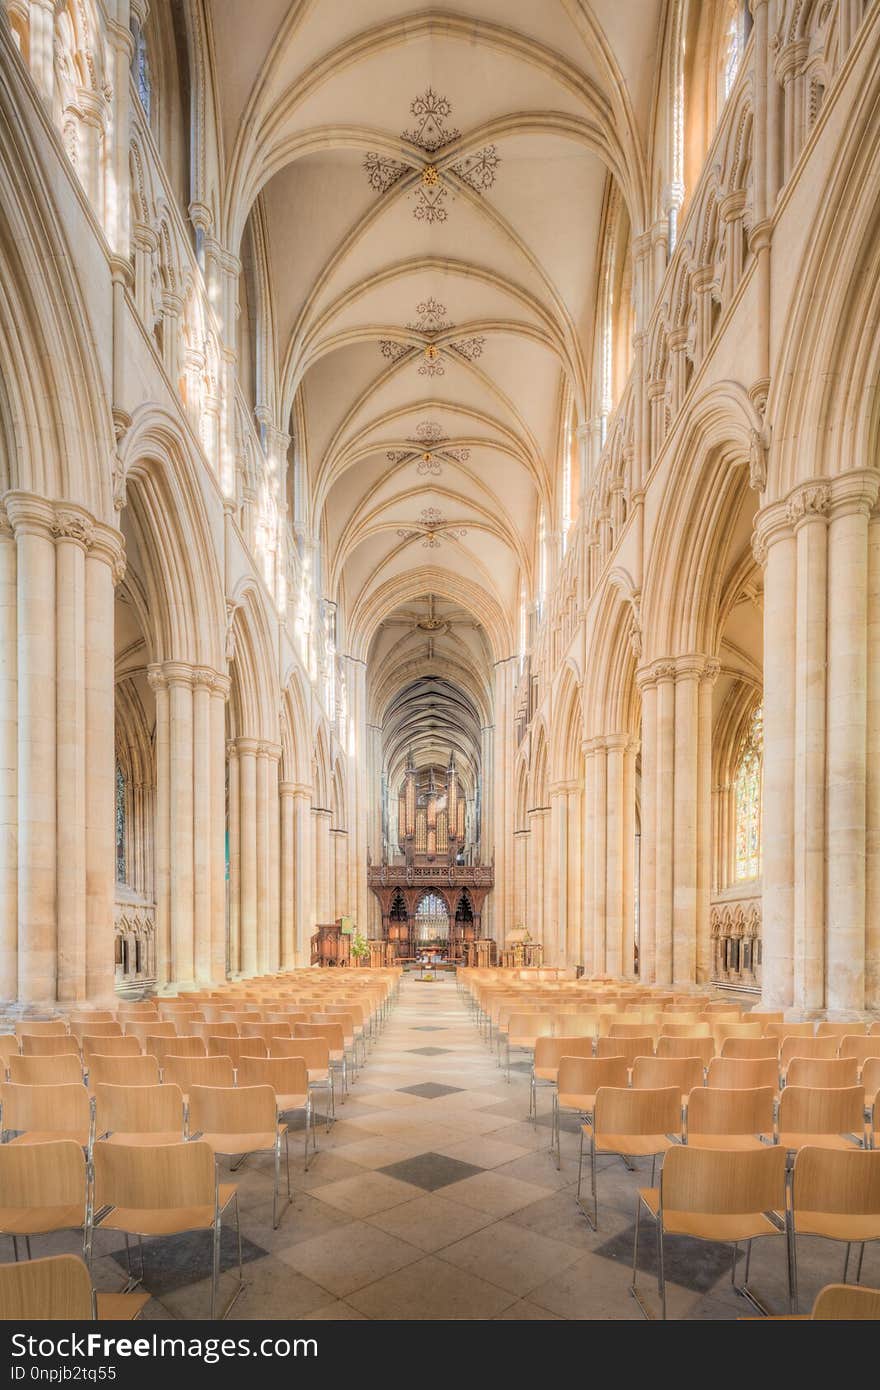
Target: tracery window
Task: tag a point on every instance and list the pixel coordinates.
(748, 789)
(120, 825)
(140, 68)
(733, 50)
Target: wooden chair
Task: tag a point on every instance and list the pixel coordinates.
(584, 1025)
(266, 1030)
(632, 1030)
(841, 1030)
(628, 1124)
(846, 1303)
(236, 1048)
(332, 1032)
(704, 1048)
(714, 1195)
(835, 1193)
(722, 1009)
(90, 1016)
(522, 1032)
(863, 1049)
(58, 1288)
(765, 1015)
(139, 1114)
(870, 1080)
(719, 1119)
(215, 1030)
(742, 1073)
(43, 1189)
(822, 1071)
(289, 1079)
(8, 1048)
(48, 1045)
(697, 1029)
(751, 1049)
(45, 1071)
(821, 1118)
(718, 1017)
(657, 1073)
(151, 1029)
(315, 1052)
(187, 1072)
(723, 1031)
(94, 1029)
(630, 1048)
(123, 1071)
(805, 1047)
(41, 1113)
(548, 1051)
(577, 1081)
(126, 1046)
(162, 1191)
(40, 1028)
(239, 1121)
(188, 1045)
(789, 1030)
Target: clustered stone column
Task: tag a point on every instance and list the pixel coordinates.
(675, 936)
(190, 819)
(58, 568)
(256, 892)
(609, 849)
(821, 847)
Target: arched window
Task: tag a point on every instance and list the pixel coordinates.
(748, 787)
(140, 67)
(120, 825)
(734, 43)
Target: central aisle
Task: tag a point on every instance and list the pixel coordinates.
(433, 1197)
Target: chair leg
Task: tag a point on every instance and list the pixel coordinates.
(277, 1180)
(593, 1187)
(308, 1126)
(215, 1267)
(859, 1265)
(845, 1260)
(661, 1272)
(580, 1164)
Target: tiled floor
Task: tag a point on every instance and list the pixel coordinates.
(433, 1197)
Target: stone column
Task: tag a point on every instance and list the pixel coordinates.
(287, 793)
(533, 920)
(775, 549)
(573, 951)
(628, 892)
(32, 520)
(684, 886)
(8, 762)
(202, 824)
(235, 841)
(263, 871)
(615, 963)
(648, 687)
(520, 877)
(600, 857)
(217, 856)
(853, 497)
(73, 533)
(557, 878)
(273, 812)
(664, 674)
(303, 893)
(180, 700)
(41, 46)
(247, 814)
(159, 686)
(321, 825)
(703, 923)
(807, 513)
(872, 831)
(103, 570)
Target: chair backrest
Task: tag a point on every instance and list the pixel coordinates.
(48, 1045)
(752, 1048)
(232, 1110)
(127, 1046)
(162, 1177)
(151, 1029)
(704, 1048)
(187, 1072)
(870, 1079)
(822, 1110)
(854, 1045)
(549, 1050)
(236, 1048)
(123, 1071)
(41, 1028)
(576, 1025)
(722, 1009)
(45, 1071)
(266, 1030)
(723, 1182)
(286, 1075)
(656, 1073)
(331, 1031)
(631, 1030)
(686, 1030)
(95, 1029)
(43, 1175)
(91, 1016)
(9, 1047)
(215, 1030)
(730, 1112)
(742, 1073)
(822, 1071)
(846, 1303)
(789, 1030)
(723, 1031)
(62, 1109)
(583, 1076)
(287, 1015)
(623, 1111)
(138, 1109)
(314, 1051)
(57, 1288)
(841, 1030)
(628, 1048)
(182, 1046)
(838, 1181)
(806, 1047)
(765, 1015)
(716, 1017)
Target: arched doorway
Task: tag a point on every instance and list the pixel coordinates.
(465, 927)
(432, 923)
(398, 925)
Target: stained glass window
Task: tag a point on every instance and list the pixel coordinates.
(120, 825)
(748, 789)
(140, 64)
